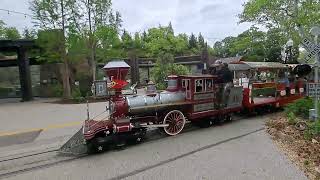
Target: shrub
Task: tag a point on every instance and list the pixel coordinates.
(300, 107)
(76, 95)
(57, 90)
(292, 120)
(312, 130)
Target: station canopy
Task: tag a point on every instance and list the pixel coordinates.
(243, 66)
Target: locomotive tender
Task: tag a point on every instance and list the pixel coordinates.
(201, 99)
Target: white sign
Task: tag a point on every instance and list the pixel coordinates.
(313, 89)
(308, 59)
(308, 44)
(312, 48)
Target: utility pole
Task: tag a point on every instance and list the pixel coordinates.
(91, 44)
(315, 31)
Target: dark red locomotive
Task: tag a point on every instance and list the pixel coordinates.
(201, 99)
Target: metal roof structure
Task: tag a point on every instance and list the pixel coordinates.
(21, 47)
(231, 59)
(116, 64)
(243, 65)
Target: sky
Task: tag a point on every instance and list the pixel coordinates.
(215, 19)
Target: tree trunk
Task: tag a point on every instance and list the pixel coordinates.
(66, 73)
(66, 80)
(93, 61)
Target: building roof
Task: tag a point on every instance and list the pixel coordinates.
(231, 59)
(116, 64)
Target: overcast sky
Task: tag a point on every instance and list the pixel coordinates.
(215, 19)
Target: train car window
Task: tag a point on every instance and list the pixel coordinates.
(183, 83)
(199, 85)
(209, 85)
(172, 83)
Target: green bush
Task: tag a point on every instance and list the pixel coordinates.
(312, 130)
(292, 120)
(300, 107)
(161, 86)
(5, 91)
(76, 95)
(57, 90)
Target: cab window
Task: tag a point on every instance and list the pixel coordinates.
(199, 85)
(209, 85)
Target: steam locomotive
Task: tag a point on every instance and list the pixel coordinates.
(201, 99)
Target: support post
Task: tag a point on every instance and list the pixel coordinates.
(316, 79)
(134, 68)
(24, 74)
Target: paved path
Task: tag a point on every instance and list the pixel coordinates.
(22, 122)
(237, 150)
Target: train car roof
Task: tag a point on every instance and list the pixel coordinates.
(199, 76)
(243, 65)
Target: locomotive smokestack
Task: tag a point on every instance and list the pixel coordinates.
(117, 72)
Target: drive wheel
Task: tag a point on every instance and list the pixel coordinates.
(229, 118)
(176, 121)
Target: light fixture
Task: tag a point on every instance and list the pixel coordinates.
(289, 43)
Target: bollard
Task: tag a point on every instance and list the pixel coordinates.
(312, 114)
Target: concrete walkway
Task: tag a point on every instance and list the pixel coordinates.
(237, 150)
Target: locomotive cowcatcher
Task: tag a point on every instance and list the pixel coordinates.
(201, 99)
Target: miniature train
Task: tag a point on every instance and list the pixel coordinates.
(201, 99)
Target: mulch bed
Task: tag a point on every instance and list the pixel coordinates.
(304, 153)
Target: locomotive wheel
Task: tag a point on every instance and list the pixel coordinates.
(176, 121)
(95, 147)
(228, 118)
(204, 123)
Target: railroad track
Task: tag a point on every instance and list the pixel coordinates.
(20, 163)
(27, 162)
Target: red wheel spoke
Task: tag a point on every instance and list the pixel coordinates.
(177, 116)
(174, 129)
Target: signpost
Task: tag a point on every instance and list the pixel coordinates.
(314, 51)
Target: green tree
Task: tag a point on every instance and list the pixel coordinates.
(8, 32)
(29, 34)
(164, 67)
(159, 40)
(274, 42)
(55, 14)
(127, 40)
(193, 43)
(201, 41)
(253, 44)
(12, 33)
(96, 14)
(170, 29)
(283, 15)
(110, 45)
